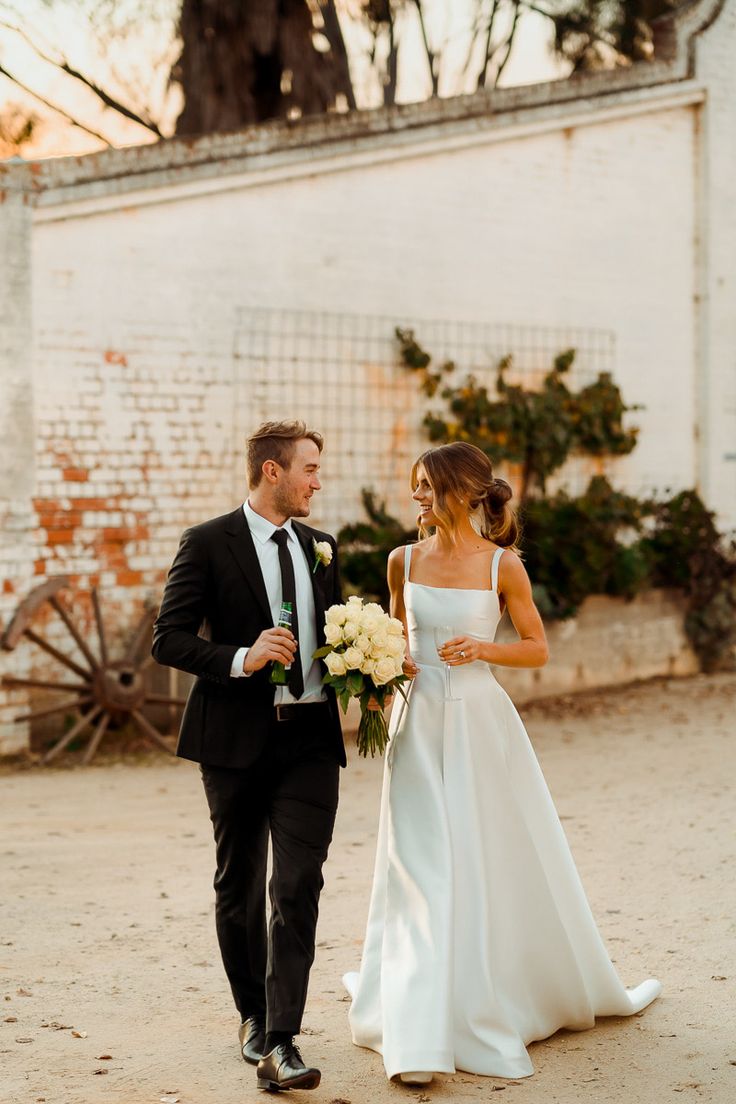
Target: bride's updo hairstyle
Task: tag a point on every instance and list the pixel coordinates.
(463, 471)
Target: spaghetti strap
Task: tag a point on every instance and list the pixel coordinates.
(494, 567)
(407, 562)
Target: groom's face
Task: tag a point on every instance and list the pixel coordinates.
(298, 482)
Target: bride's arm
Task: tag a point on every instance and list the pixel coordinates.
(396, 590)
(530, 650)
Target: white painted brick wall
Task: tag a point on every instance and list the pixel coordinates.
(16, 442)
(619, 222)
(580, 229)
(717, 339)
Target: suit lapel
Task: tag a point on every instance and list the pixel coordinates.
(244, 550)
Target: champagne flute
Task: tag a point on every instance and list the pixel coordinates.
(443, 633)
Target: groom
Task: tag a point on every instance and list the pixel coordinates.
(269, 756)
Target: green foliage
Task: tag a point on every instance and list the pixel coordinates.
(418, 359)
(604, 542)
(535, 428)
(600, 542)
(573, 547)
(688, 552)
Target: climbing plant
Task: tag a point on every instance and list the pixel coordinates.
(537, 428)
(599, 542)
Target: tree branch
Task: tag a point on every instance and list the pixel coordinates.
(430, 56)
(509, 42)
(105, 97)
(487, 51)
(54, 107)
(392, 64)
(333, 33)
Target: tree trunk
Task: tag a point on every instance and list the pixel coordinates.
(243, 63)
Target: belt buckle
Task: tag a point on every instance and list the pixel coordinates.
(279, 709)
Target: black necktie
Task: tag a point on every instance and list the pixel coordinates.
(294, 676)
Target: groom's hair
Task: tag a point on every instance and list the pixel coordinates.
(276, 441)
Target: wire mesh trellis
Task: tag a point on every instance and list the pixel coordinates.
(341, 373)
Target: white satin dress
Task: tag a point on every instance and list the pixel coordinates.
(480, 939)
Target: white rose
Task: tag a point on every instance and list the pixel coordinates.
(367, 666)
(379, 640)
(395, 646)
(384, 671)
(353, 658)
(350, 630)
(322, 552)
(399, 665)
(370, 624)
(336, 615)
(333, 633)
(355, 600)
(335, 663)
(363, 642)
(374, 608)
(395, 627)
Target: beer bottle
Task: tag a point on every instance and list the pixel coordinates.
(278, 671)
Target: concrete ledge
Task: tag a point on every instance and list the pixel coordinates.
(609, 643)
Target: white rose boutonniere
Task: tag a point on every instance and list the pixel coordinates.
(322, 554)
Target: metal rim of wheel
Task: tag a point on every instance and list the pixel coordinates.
(106, 691)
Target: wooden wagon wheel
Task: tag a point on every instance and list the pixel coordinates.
(105, 691)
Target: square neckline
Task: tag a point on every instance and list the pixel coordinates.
(492, 589)
(429, 586)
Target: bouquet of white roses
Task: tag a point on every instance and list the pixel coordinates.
(364, 657)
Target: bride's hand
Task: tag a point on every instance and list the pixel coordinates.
(459, 650)
(375, 706)
(410, 668)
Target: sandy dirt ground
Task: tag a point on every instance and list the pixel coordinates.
(111, 986)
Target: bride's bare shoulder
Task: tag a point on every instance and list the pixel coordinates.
(400, 552)
(397, 558)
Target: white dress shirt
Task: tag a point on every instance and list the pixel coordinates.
(261, 529)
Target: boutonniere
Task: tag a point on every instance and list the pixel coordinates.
(322, 554)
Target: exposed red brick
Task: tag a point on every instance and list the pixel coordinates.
(60, 536)
(75, 475)
(113, 357)
(59, 519)
(122, 534)
(111, 556)
(128, 578)
(92, 504)
(8, 587)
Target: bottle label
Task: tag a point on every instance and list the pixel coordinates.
(278, 670)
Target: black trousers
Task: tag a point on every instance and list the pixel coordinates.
(290, 794)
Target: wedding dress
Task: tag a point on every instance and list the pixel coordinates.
(480, 939)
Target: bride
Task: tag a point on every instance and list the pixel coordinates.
(480, 939)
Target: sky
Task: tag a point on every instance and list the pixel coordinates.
(123, 63)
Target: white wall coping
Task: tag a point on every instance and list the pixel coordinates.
(70, 202)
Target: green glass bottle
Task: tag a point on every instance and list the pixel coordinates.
(278, 671)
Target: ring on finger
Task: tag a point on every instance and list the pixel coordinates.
(462, 655)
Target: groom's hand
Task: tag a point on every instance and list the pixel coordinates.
(272, 646)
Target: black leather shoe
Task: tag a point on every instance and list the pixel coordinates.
(252, 1035)
(284, 1068)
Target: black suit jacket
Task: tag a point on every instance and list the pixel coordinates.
(215, 602)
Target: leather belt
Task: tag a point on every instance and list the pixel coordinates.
(295, 711)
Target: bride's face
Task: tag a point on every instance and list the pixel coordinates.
(424, 498)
